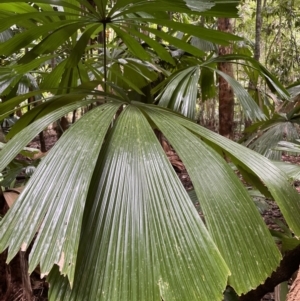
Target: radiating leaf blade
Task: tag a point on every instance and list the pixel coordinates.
(53, 201)
(259, 167)
(180, 92)
(250, 107)
(230, 214)
(148, 242)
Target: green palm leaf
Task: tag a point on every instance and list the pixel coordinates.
(180, 92)
(250, 107)
(58, 31)
(106, 212)
(153, 6)
(52, 212)
(259, 169)
(292, 170)
(273, 83)
(149, 242)
(227, 207)
(128, 175)
(267, 141)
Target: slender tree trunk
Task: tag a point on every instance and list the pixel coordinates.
(27, 289)
(42, 142)
(226, 96)
(258, 24)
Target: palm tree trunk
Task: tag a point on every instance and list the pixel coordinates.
(226, 96)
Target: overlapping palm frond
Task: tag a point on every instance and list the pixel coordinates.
(182, 89)
(105, 212)
(264, 137)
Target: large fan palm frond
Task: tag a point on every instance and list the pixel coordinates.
(60, 28)
(179, 91)
(105, 215)
(122, 198)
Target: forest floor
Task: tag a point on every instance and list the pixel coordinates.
(11, 283)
